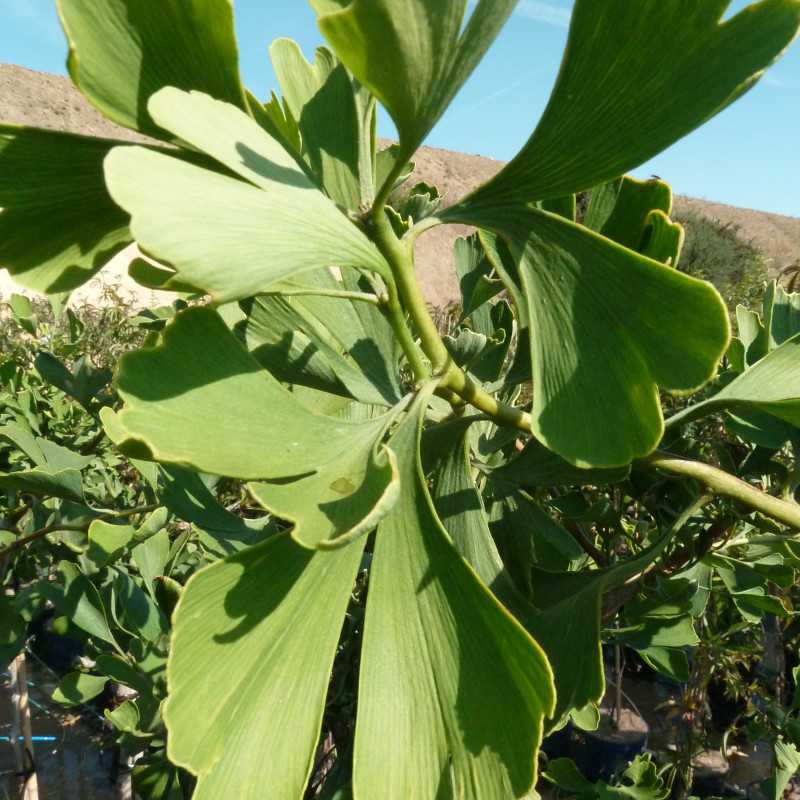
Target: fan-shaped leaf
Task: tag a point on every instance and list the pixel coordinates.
(462, 688)
(637, 77)
(273, 224)
(252, 650)
(58, 225)
(608, 326)
(414, 57)
(124, 51)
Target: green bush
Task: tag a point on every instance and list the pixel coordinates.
(718, 252)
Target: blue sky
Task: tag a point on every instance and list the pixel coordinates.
(748, 156)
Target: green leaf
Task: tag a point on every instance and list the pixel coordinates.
(252, 650)
(569, 626)
(12, 630)
(385, 162)
(136, 611)
(329, 343)
(196, 219)
(463, 689)
(674, 664)
(413, 57)
(151, 558)
(322, 99)
(45, 454)
(564, 773)
(156, 779)
(167, 592)
(787, 764)
(191, 500)
(604, 336)
(771, 386)
(123, 51)
(83, 384)
(536, 466)
(65, 483)
(76, 688)
(662, 239)
(634, 202)
(636, 215)
(527, 535)
(642, 781)
(781, 311)
(676, 632)
(121, 671)
(152, 524)
(460, 509)
(58, 225)
(637, 77)
(22, 309)
(108, 542)
(125, 717)
(77, 598)
(474, 272)
(217, 411)
(342, 500)
(748, 587)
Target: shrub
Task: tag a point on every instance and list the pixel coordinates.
(716, 252)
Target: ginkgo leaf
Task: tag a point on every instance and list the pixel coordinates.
(338, 503)
(413, 57)
(662, 239)
(771, 386)
(65, 483)
(76, 688)
(569, 625)
(336, 131)
(251, 426)
(634, 202)
(77, 598)
(635, 214)
(108, 542)
(460, 685)
(781, 314)
(608, 327)
(565, 619)
(124, 51)
(252, 651)
(328, 343)
(58, 225)
(536, 466)
(637, 77)
(270, 225)
(329, 474)
(221, 531)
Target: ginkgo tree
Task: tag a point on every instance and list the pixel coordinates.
(310, 367)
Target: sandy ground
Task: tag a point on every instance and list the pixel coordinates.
(49, 101)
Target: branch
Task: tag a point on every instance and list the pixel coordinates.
(23, 541)
(722, 483)
(583, 540)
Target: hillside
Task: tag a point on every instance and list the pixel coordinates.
(49, 101)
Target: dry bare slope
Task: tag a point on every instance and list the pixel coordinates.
(49, 101)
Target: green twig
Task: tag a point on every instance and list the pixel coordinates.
(23, 541)
(722, 483)
(400, 259)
